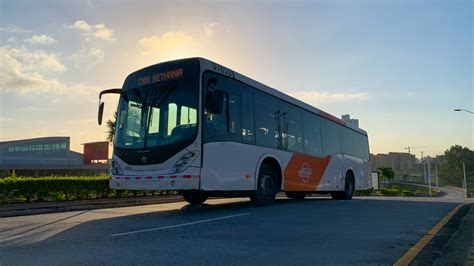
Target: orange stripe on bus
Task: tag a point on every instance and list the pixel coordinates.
(303, 172)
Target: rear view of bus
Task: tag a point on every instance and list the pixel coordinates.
(196, 127)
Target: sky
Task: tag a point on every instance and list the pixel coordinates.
(398, 66)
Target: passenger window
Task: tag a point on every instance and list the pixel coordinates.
(347, 143)
(187, 115)
(154, 120)
(312, 134)
(267, 118)
(291, 128)
(172, 114)
(330, 137)
(248, 132)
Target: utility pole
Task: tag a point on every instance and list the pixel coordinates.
(423, 162)
(429, 175)
(436, 173)
(464, 173)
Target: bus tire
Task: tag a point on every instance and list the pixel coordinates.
(194, 197)
(296, 195)
(266, 186)
(348, 189)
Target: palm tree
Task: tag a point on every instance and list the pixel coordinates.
(111, 128)
(386, 172)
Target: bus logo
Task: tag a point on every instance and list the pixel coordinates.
(223, 70)
(305, 172)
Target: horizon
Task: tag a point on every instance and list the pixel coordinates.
(400, 68)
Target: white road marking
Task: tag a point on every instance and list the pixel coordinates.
(180, 225)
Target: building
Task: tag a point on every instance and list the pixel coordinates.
(50, 155)
(38, 152)
(347, 118)
(96, 152)
(400, 162)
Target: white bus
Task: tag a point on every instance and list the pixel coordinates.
(200, 128)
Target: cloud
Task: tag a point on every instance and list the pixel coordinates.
(11, 40)
(41, 39)
(167, 41)
(87, 57)
(5, 119)
(316, 97)
(97, 31)
(22, 71)
(36, 61)
(13, 29)
(210, 28)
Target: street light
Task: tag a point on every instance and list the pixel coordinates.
(463, 164)
(459, 110)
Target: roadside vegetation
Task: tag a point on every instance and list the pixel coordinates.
(407, 191)
(30, 189)
(450, 169)
(386, 173)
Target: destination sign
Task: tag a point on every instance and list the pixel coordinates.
(160, 77)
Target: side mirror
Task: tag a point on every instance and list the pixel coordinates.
(101, 113)
(215, 101)
(101, 104)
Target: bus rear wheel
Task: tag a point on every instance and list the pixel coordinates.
(266, 186)
(348, 189)
(296, 195)
(194, 197)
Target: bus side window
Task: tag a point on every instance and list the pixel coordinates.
(248, 118)
(267, 116)
(234, 104)
(330, 137)
(312, 134)
(291, 128)
(227, 125)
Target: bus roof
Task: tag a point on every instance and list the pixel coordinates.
(210, 65)
(207, 64)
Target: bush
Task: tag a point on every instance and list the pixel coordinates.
(52, 188)
(390, 192)
(366, 192)
(21, 189)
(407, 193)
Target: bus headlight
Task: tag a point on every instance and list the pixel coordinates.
(184, 161)
(116, 169)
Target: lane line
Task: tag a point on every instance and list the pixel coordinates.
(418, 247)
(180, 225)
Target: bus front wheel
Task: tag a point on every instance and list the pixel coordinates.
(194, 197)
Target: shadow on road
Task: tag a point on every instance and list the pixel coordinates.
(359, 231)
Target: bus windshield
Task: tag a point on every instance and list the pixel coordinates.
(156, 116)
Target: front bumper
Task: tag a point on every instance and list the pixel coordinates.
(155, 182)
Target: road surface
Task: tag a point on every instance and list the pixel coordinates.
(365, 230)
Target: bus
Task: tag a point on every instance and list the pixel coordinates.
(202, 129)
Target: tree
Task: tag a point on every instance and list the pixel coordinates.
(386, 172)
(450, 170)
(111, 128)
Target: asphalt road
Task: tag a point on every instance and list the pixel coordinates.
(375, 230)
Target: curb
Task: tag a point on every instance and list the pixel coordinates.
(411, 255)
(55, 207)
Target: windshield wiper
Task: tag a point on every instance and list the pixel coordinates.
(138, 97)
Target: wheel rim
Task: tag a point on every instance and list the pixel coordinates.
(349, 189)
(266, 184)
